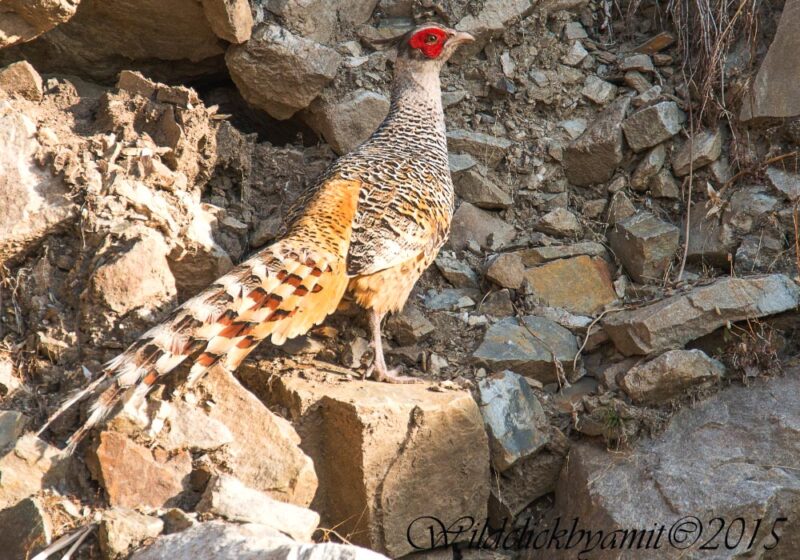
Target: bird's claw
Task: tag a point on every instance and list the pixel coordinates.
(383, 375)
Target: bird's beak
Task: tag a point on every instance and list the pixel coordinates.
(462, 38)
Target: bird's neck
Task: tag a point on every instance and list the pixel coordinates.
(418, 93)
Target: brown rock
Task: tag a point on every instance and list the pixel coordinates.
(30, 466)
(652, 125)
(489, 149)
(648, 167)
(473, 225)
(669, 375)
(645, 245)
(21, 79)
(386, 457)
(579, 284)
(346, 123)
(774, 90)
(27, 528)
(699, 151)
(281, 73)
(229, 19)
(409, 326)
(506, 270)
(620, 208)
(133, 476)
(539, 255)
(664, 185)
(476, 188)
(23, 20)
(594, 156)
(123, 529)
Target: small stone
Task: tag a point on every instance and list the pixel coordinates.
(492, 19)
(574, 127)
(136, 83)
(460, 162)
(637, 81)
(27, 528)
(12, 425)
(645, 245)
(489, 149)
(652, 125)
(410, 326)
(575, 55)
(346, 123)
(526, 481)
(485, 229)
(595, 155)
(593, 209)
(784, 181)
(476, 188)
(27, 468)
(598, 90)
(133, 476)
(497, 304)
(509, 345)
(647, 97)
(514, 419)
(710, 241)
(227, 497)
(637, 62)
(757, 253)
(539, 255)
(656, 43)
(698, 152)
(456, 271)
(450, 299)
(579, 284)
(573, 31)
(450, 98)
(279, 72)
(620, 208)
(560, 222)
(670, 375)
(22, 79)
(124, 529)
(672, 322)
(506, 270)
(664, 185)
(648, 167)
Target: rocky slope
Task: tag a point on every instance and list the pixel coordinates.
(608, 334)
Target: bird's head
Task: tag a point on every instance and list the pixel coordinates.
(429, 46)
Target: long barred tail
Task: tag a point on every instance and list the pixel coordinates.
(281, 292)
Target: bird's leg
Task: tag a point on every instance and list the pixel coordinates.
(379, 370)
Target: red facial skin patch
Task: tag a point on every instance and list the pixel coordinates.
(430, 41)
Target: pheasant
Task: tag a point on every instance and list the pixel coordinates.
(369, 226)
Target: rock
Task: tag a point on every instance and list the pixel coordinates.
(227, 497)
(573, 31)
(27, 528)
(598, 90)
(620, 208)
(710, 241)
(784, 181)
(597, 153)
(637, 62)
(664, 185)
(489, 149)
(711, 458)
(281, 73)
(757, 253)
(384, 456)
(574, 127)
(522, 484)
(347, 123)
(8, 380)
(652, 125)
(476, 188)
(579, 284)
(124, 529)
(670, 375)
(648, 167)
(30, 466)
(104, 38)
(656, 43)
(450, 299)
(456, 271)
(12, 425)
(506, 270)
(575, 55)
(21, 79)
(137, 279)
(459, 163)
(190, 428)
(409, 326)
(672, 322)
(319, 20)
(229, 19)
(647, 97)
(497, 304)
(23, 21)
(245, 542)
(773, 91)
(560, 222)
(285, 473)
(698, 152)
(492, 20)
(133, 476)
(539, 255)
(749, 206)
(509, 345)
(645, 245)
(33, 203)
(514, 418)
(471, 224)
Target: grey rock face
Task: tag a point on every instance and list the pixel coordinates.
(669, 375)
(652, 125)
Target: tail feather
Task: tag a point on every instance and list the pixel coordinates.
(280, 293)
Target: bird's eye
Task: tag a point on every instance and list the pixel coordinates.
(431, 39)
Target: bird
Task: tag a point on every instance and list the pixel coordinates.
(368, 226)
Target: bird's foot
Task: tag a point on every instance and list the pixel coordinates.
(384, 375)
